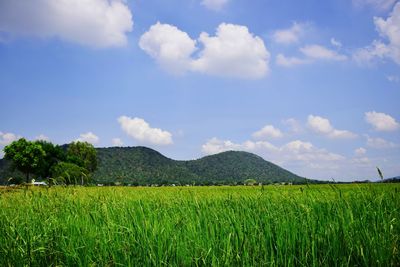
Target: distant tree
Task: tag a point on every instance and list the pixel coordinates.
(69, 173)
(82, 154)
(25, 156)
(54, 154)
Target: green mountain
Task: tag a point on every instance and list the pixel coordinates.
(142, 166)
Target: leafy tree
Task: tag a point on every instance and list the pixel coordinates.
(82, 154)
(54, 154)
(25, 156)
(69, 173)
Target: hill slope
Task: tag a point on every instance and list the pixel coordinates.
(141, 166)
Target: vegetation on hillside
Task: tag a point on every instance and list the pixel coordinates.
(142, 166)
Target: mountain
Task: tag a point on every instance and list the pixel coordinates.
(142, 166)
(390, 180)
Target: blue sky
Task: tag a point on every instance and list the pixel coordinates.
(310, 85)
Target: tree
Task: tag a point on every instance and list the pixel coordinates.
(69, 173)
(25, 156)
(54, 154)
(82, 154)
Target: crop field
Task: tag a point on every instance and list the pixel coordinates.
(319, 225)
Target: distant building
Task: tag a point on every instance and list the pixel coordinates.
(39, 184)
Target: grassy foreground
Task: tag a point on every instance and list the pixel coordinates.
(321, 225)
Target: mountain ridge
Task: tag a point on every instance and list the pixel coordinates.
(143, 166)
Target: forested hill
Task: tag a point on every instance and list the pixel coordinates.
(143, 166)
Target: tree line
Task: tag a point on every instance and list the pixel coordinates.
(69, 164)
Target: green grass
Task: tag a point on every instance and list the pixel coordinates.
(321, 225)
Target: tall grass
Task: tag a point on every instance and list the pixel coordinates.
(347, 225)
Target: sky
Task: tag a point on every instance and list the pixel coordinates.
(313, 86)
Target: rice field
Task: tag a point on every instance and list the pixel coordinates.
(319, 225)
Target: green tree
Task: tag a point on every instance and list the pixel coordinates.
(69, 173)
(82, 154)
(25, 156)
(54, 154)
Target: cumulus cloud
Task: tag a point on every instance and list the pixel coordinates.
(293, 125)
(232, 52)
(88, 137)
(214, 4)
(268, 131)
(117, 142)
(169, 46)
(389, 47)
(140, 130)
(380, 143)
(381, 121)
(323, 126)
(284, 61)
(7, 138)
(289, 153)
(306, 151)
(368, 55)
(322, 53)
(95, 23)
(290, 35)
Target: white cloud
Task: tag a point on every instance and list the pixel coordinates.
(42, 137)
(214, 4)
(88, 137)
(117, 142)
(169, 46)
(268, 131)
(368, 55)
(336, 43)
(360, 151)
(305, 151)
(389, 30)
(140, 130)
(290, 35)
(294, 152)
(393, 78)
(380, 5)
(232, 52)
(95, 23)
(215, 145)
(7, 138)
(322, 53)
(284, 61)
(380, 143)
(294, 125)
(322, 126)
(381, 121)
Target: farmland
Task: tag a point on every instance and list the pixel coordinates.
(318, 225)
